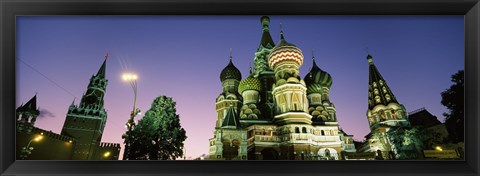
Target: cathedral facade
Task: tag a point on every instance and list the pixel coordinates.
(275, 114)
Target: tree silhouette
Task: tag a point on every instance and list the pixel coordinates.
(453, 99)
(158, 135)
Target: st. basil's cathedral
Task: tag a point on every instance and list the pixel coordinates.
(274, 114)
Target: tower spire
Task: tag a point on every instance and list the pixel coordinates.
(101, 71)
(384, 94)
(230, 54)
(281, 32)
(369, 57)
(266, 40)
(313, 55)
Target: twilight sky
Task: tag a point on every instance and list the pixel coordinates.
(182, 57)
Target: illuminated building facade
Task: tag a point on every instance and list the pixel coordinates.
(273, 113)
(388, 121)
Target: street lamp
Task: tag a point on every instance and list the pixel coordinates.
(132, 80)
(26, 151)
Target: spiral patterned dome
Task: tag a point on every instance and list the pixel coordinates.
(284, 51)
(317, 78)
(250, 83)
(230, 72)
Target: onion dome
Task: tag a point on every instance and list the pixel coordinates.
(317, 78)
(284, 51)
(250, 83)
(230, 72)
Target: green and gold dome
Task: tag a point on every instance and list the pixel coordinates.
(250, 83)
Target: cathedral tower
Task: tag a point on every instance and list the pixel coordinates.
(289, 90)
(383, 107)
(230, 78)
(86, 122)
(388, 121)
(229, 141)
(249, 88)
(263, 72)
(27, 114)
(318, 84)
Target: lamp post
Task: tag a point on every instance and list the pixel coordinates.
(132, 80)
(26, 151)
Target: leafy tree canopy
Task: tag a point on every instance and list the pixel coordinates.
(158, 135)
(453, 99)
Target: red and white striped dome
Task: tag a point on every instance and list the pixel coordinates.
(284, 51)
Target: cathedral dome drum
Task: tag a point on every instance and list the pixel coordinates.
(230, 72)
(250, 83)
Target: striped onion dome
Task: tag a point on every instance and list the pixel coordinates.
(316, 79)
(284, 51)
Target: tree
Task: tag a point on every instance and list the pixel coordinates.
(407, 142)
(158, 135)
(453, 99)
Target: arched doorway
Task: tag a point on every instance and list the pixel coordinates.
(269, 154)
(230, 149)
(327, 154)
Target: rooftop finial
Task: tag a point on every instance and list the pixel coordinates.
(281, 31)
(230, 54)
(369, 57)
(313, 55)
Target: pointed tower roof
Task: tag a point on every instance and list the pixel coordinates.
(266, 41)
(379, 92)
(30, 106)
(231, 120)
(73, 103)
(101, 71)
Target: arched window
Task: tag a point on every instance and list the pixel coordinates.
(297, 130)
(327, 153)
(323, 133)
(304, 130)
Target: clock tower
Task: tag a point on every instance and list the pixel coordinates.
(86, 121)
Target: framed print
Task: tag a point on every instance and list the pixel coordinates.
(280, 88)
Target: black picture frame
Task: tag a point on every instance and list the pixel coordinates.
(9, 9)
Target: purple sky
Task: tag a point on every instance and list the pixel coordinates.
(182, 57)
